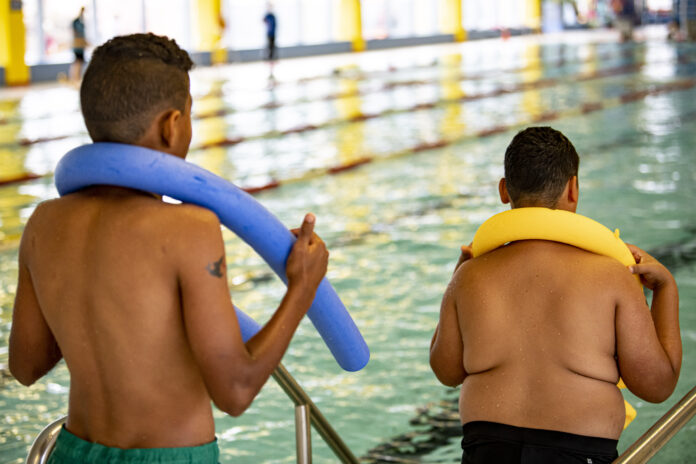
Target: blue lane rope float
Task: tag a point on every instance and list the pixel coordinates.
(144, 169)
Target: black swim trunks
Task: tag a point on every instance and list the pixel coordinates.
(490, 442)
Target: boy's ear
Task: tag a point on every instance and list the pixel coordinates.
(573, 190)
(169, 129)
(502, 190)
(569, 198)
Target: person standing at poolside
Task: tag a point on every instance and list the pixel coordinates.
(132, 292)
(625, 11)
(271, 25)
(537, 333)
(79, 45)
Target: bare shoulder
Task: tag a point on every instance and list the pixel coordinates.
(614, 274)
(39, 222)
(474, 272)
(185, 223)
(192, 215)
(194, 228)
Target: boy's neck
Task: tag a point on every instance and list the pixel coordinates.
(116, 191)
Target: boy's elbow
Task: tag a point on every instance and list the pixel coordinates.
(449, 380)
(662, 392)
(656, 389)
(235, 400)
(655, 396)
(27, 381)
(26, 377)
(447, 376)
(236, 404)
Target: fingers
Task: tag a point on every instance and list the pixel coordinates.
(466, 254)
(306, 229)
(467, 251)
(637, 253)
(640, 269)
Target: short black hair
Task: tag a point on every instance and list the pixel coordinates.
(538, 164)
(128, 81)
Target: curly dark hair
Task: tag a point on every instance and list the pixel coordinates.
(129, 80)
(538, 164)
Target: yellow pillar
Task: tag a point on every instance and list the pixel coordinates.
(210, 28)
(451, 19)
(533, 14)
(532, 103)
(13, 42)
(350, 27)
(452, 126)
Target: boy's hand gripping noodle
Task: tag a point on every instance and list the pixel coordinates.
(144, 169)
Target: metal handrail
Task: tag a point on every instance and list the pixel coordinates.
(300, 397)
(306, 412)
(44, 442)
(661, 432)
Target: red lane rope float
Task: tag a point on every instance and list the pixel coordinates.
(521, 87)
(27, 142)
(544, 117)
(348, 166)
(585, 108)
(20, 178)
(537, 63)
(386, 87)
(365, 75)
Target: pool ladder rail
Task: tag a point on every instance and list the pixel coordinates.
(661, 432)
(307, 414)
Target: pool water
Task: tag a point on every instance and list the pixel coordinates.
(395, 223)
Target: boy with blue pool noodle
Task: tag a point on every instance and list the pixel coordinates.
(132, 292)
(537, 333)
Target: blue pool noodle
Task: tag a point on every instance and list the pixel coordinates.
(144, 169)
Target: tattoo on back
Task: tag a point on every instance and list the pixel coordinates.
(215, 269)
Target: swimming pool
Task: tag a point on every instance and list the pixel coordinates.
(426, 130)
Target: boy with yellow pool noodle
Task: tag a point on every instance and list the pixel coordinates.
(538, 332)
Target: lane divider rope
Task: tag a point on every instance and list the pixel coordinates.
(585, 108)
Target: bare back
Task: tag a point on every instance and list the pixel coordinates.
(104, 264)
(537, 323)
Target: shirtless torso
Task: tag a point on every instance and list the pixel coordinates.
(107, 279)
(535, 332)
(134, 292)
(541, 358)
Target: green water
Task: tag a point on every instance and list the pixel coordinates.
(394, 228)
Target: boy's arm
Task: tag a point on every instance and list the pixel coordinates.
(648, 342)
(232, 371)
(446, 348)
(33, 348)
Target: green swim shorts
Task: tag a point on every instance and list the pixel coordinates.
(71, 449)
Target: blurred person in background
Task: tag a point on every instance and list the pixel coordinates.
(625, 11)
(79, 45)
